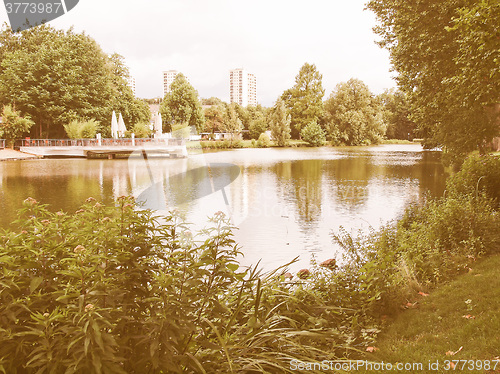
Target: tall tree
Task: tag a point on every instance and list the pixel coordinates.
(181, 106)
(57, 76)
(305, 99)
(280, 121)
(446, 53)
(396, 114)
(354, 115)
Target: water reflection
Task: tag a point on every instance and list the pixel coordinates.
(286, 202)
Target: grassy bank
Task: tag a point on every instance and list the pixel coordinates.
(459, 320)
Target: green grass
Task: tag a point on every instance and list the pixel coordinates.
(437, 325)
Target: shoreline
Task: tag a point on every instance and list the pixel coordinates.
(8, 154)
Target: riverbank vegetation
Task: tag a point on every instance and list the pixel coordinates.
(116, 289)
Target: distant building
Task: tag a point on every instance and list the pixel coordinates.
(131, 84)
(168, 78)
(242, 87)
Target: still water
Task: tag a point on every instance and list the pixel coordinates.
(285, 202)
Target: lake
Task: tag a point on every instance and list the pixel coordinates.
(285, 202)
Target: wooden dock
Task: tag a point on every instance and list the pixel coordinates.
(110, 148)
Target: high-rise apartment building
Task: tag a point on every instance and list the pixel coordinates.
(168, 78)
(242, 87)
(131, 84)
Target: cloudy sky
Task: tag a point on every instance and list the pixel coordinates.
(204, 39)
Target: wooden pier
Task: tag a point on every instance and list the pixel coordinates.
(98, 148)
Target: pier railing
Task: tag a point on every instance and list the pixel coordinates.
(138, 142)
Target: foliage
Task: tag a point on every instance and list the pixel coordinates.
(143, 294)
(396, 115)
(214, 119)
(81, 129)
(57, 76)
(232, 123)
(280, 121)
(258, 125)
(305, 99)
(181, 106)
(13, 126)
(263, 141)
(353, 115)
(313, 134)
(142, 130)
(478, 175)
(446, 54)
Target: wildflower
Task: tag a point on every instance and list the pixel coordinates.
(45, 222)
(329, 264)
(303, 273)
(60, 214)
(45, 315)
(80, 211)
(105, 219)
(89, 307)
(90, 199)
(30, 201)
(127, 206)
(98, 205)
(79, 249)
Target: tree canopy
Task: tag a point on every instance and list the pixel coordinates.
(280, 120)
(447, 56)
(353, 114)
(181, 106)
(305, 99)
(57, 76)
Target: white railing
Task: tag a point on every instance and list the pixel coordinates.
(2, 143)
(96, 142)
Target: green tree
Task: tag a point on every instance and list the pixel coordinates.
(81, 129)
(181, 106)
(313, 134)
(353, 114)
(446, 54)
(258, 125)
(232, 123)
(214, 118)
(58, 76)
(280, 121)
(13, 126)
(132, 109)
(396, 114)
(305, 99)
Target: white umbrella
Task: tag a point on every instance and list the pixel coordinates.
(114, 126)
(121, 127)
(158, 125)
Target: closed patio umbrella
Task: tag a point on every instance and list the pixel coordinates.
(114, 126)
(121, 127)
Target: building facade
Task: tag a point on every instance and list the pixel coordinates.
(242, 87)
(131, 84)
(168, 78)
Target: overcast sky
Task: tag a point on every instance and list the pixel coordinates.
(204, 39)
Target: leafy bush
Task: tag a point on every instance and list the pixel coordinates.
(142, 130)
(430, 244)
(313, 134)
(118, 290)
(264, 141)
(82, 129)
(478, 175)
(13, 126)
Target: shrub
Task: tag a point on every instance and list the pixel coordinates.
(478, 175)
(13, 126)
(142, 130)
(313, 134)
(263, 141)
(118, 290)
(82, 129)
